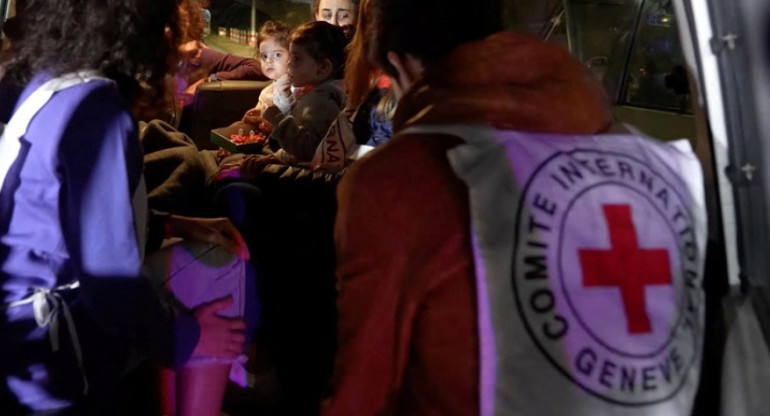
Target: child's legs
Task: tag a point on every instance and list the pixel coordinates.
(203, 389)
(196, 390)
(196, 273)
(169, 393)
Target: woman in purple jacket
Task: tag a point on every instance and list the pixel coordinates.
(73, 217)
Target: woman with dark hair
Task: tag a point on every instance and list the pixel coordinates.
(436, 293)
(73, 215)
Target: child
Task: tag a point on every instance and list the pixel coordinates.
(316, 69)
(273, 54)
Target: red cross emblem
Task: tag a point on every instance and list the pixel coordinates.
(626, 266)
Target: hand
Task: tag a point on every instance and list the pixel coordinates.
(251, 166)
(282, 96)
(252, 116)
(187, 96)
(221, 154)
(247, 168)
(192, 88)
(282, 86)
(213, 230)
(219, 337)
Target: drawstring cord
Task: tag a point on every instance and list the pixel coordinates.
(47, 304)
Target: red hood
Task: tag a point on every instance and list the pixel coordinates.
(511, 81)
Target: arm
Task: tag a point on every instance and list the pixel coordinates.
(405, 283)
(300, 132)
(156, 229)
(375, 315)
(254, 115)
(100, 230)
(265, 98)
(230, 67)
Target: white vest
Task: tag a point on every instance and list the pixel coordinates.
(589, 261)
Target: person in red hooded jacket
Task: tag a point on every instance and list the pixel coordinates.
(417, 234)
(407, 326)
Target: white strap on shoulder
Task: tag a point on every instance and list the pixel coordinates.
(11, 134)
(47, 303)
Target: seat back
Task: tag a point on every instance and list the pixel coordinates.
(218, 104)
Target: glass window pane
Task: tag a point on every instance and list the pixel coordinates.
(232, 29)
(600, 34)
(5, 12)
(656, 72)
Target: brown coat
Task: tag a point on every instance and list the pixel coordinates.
(407, 316)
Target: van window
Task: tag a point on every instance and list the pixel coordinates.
(632, 47)
(6, 11)
(234, 24)
(655, 75)
(601, 33)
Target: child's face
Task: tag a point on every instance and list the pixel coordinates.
(336, 12)
(303, 69)
(273, 58)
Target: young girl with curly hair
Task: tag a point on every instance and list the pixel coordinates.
(273, 55)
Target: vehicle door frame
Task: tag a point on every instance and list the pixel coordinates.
(6, 6)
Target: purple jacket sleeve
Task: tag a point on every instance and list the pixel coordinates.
(231, 67)
(100, 161)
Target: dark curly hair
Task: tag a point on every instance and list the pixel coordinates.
(191, 19)
(324, 40)
(133, 42)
